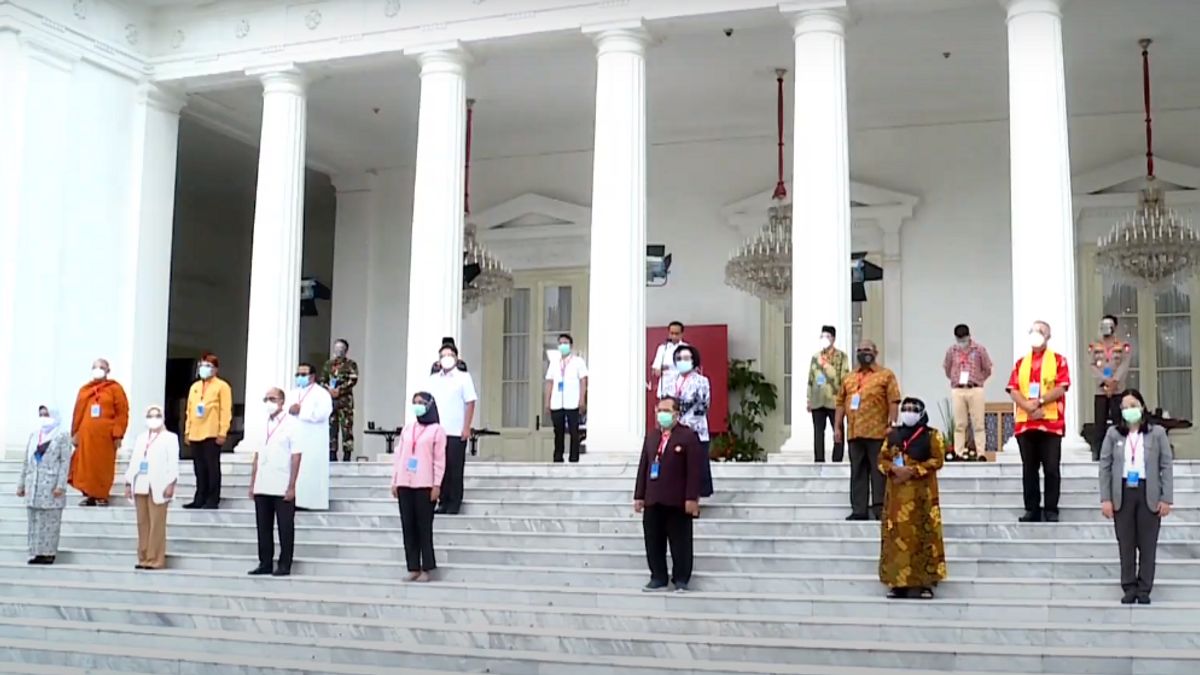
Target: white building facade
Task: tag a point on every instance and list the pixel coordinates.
(971, 148)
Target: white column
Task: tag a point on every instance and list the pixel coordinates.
(146, 272)
(274, 326)
(436, 257)
(12, 138)
(1043, 229)
(821, 198)
(893, 299)
(617, 289)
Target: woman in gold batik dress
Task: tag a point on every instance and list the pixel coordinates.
(912, 557)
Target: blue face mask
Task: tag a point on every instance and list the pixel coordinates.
(419, 409)
(684, 367)
(302, 381)
(564, 349)
(205, 371)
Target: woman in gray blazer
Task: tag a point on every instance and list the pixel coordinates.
(1136, 491)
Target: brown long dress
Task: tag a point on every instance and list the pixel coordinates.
(912, 554)
(94, 463)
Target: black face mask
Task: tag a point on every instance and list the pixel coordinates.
(865, 358)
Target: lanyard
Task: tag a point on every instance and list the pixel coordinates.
(860, 380)
(150, 438)
(303, 396)
(420, 432)
(1133, 448)
(905, 444)
(271, 432)
(662, 445)
(562, 372)
(41, 436)
(679, 384)
(95, 396)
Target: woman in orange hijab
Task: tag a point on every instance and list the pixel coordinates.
(98, 425)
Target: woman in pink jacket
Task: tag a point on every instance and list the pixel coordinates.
(417, 470)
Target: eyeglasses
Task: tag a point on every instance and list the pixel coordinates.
(271, 400)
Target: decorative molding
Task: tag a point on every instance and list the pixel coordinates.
(886, 208)
(1133, 168)
(554, 233)
(242, 29)
(166, 99)
(80, 9)
(391, 8)
(51, 53)
(177, 39)
(131, 34)
(313, 19)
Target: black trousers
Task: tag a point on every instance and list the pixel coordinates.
(866, 483)
(452, 480)
(270, 510)
(821, 417)
(416, 519)
(1041, 449)
(206, 461)
(1137, 539)
(662, 525)
(565, 420)
(1105, 410)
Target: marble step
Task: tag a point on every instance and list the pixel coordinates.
(37, 669)
(973, 513)
(244, 532)
(514, 651)
(1079, 602)
(1057, 580)
(693, 613)
(541, 632)
(335, 558)
(1173, 529)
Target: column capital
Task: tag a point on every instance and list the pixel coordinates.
(817, 16)
(1017, 8)
(56, 54)
(166, 99)
(344, 183)
(442, 57)
(284, 78)
(619, 36)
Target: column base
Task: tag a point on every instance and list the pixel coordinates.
(610, 447)
(1074, 448)
(799, 447)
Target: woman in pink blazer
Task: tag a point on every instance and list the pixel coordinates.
(417, 468)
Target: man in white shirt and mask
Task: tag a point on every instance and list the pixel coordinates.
(277, 465)
(454, 393)
(311, 405)
(663, 365)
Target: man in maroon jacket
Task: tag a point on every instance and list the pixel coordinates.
(667, 495)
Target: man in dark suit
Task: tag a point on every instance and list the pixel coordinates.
(667, 494)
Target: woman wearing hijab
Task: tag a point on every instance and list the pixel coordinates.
(694, 394)
(912, 557)
(418, 467)
(1136, 491)
(43, 484)
(150, 482)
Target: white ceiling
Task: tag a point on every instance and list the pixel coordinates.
(536, 95)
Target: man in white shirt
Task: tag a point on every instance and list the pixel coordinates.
(277, 462)
(311, 405)
(454, 393)
(566, 396)
(663, 366)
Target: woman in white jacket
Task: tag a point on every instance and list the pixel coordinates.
(150, 482)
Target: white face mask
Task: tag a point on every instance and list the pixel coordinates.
(270, 407)
(1036, 339)
(45, 422)
(448, 362)
(909, 418)
(98, 374)
(826, 342)
(154, 423)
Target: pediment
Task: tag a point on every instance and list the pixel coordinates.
(532, 216)
(866, 202)
(1128, 175)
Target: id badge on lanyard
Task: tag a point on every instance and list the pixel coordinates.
(964, 377)
(412, 465)
(656, 466)
(855, 401)
(95, 410)
(144, 468)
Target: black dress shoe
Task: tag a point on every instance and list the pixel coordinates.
(282, 572)
(1031, 517)
(1051, 516)
(192, 505)
(1129, 598)
(1143, 599)
(210, 507)
(260, 571)
(856, 516)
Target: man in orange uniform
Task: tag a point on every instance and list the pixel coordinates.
(1038, 387)
(97, 427)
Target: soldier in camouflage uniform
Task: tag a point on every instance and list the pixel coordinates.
(339, 376)
(1110, 358)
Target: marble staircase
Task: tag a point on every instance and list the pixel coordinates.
(541, 574)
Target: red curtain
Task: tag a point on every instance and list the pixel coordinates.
(712, 341)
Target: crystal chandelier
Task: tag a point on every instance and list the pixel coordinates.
(485, 278)
(1154, 247)
(762, 266)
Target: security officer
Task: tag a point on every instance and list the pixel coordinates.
(1110, 358)
(340, 374)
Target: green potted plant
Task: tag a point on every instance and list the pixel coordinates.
(756, 399)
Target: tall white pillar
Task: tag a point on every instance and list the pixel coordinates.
(617, 289)
(436, 257)
(274, 327)
(146, 272)
(821, 197)
(1043, 229)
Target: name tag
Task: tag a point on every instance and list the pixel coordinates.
(1035, 390)
(560, 385)
(1132, 478)
(964, 378)
(95, 410)
(412, 465)
(1108, 371)
(899, 460)
(199, 410)
(855, 400)
(144, 467)
(654, 471)
(820, 379)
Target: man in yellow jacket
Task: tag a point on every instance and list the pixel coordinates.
(209, 412)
